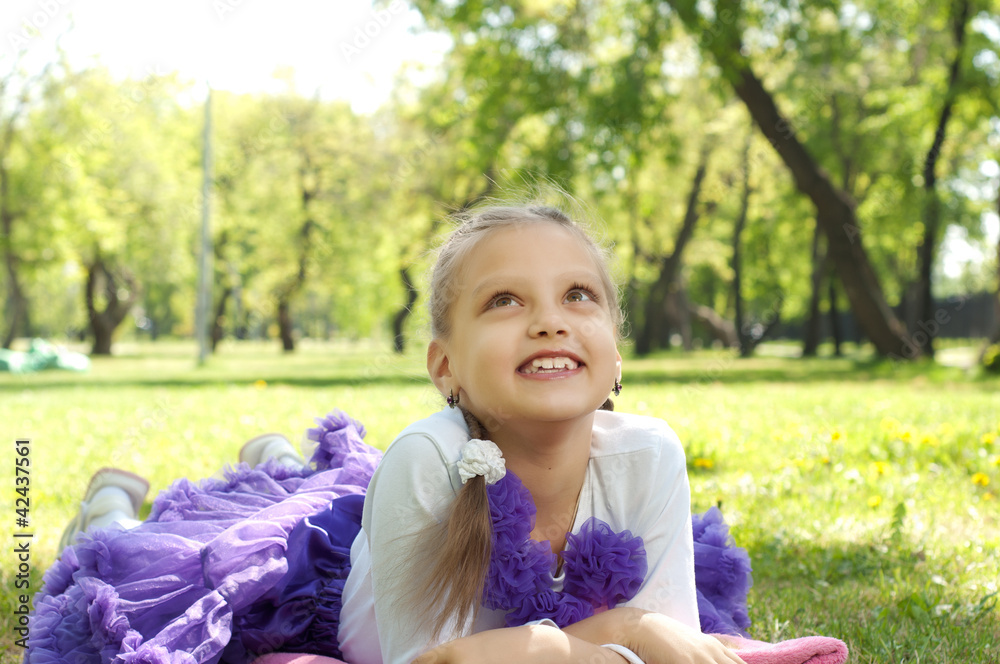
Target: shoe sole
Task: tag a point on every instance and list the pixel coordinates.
(251, 451)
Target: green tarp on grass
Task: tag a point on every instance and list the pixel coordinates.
(42, 355)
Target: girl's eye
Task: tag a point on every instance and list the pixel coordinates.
(501, 300)
(579, 295)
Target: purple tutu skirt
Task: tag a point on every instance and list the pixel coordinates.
(722, 576)
(222, 571)
(227, 570)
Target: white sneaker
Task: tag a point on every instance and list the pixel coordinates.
(270, 445)
(111, 490)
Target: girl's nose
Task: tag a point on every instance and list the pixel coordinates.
(548, 323)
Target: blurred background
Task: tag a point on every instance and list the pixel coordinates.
(814, 172)
(783, 182)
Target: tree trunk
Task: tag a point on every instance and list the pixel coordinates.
(399, 320)
(835, 214)
(285, 326)
(218, 327)
(994, 337)
(655, 320)
(103, 323)
(17, 304)
(932, 201)
(294, 285)
(834, 210)
(835, 330)
(718, 327)
(743, 339)
(812, 332)
(677, 310)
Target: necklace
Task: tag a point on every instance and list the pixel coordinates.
(602, 568)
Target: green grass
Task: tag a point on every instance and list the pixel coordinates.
(857, 486)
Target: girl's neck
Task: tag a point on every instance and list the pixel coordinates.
(551, 461)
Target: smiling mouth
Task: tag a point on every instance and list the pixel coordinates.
(548, 365)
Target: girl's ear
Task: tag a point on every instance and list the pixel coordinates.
(439, 367)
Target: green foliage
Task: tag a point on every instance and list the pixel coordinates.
(612, 101)
(991, 358)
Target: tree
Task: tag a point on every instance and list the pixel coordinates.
(123, 150)
(18, 177)
(834, 210)
(932, 204)
(664, 295)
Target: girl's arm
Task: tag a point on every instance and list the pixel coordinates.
(654, 638)
(528, 644)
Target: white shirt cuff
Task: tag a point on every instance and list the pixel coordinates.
(624, 652)
(543, 621)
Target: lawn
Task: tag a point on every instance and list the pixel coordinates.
(865, 492)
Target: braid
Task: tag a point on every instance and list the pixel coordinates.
(476, 428)
(458, 572)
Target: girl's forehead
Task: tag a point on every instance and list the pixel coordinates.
(528, 250)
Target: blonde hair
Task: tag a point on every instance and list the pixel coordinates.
(458, 550)
(480, 224)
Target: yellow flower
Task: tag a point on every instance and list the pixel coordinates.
(981, 479)
(702, 462)
(825, 460)
(889, 424)
(929, 439)
(260, 384)
(881, 467)
(906, 436)
(988, 439)
(836, 435)
(996, 460)
(988, 496)
(874, 501)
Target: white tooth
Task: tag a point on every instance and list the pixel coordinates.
(550, 363)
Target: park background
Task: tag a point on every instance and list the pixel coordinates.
(802, 197)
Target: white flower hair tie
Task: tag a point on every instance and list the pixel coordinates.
(481, 457)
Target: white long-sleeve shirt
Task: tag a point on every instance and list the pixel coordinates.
(636, 480)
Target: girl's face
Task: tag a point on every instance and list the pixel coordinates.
(531, 332)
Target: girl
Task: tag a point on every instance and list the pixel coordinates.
(527, 522)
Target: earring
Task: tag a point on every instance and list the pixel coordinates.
(452, 399)
(618, 387)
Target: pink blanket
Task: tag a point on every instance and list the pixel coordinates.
(807, 650)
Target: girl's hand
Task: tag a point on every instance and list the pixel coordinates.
(654, 637)
(529, 644)
(657, 639)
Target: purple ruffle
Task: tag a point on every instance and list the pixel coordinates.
(722, 576)
(339, 445)
(603, 568)
(179, 588)
(561, 608)
(512, 510)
